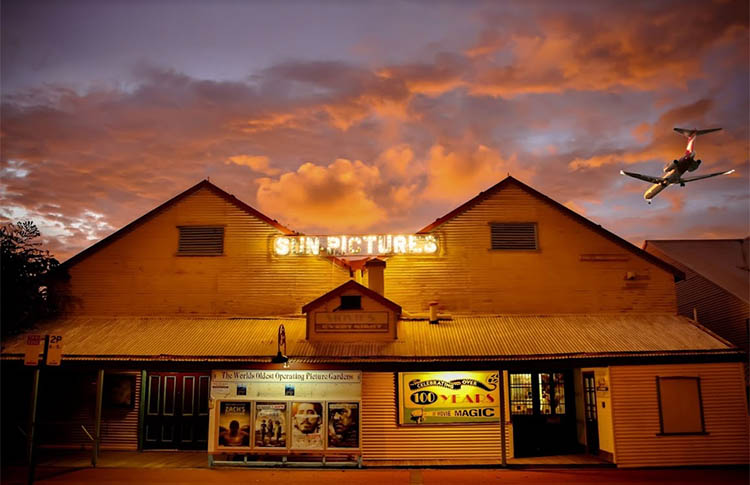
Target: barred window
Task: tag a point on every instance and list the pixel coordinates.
(513, 235)
(521, 400)
(201, 241)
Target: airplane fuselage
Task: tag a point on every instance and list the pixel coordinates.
(675, 170)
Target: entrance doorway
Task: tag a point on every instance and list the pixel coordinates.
(176, 410)
(590, 411)
(542, 412)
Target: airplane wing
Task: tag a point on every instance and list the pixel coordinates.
(686, 132)
(645, 178)
(693, 179)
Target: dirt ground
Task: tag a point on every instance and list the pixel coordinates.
(452, 476)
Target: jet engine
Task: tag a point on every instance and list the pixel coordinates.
(694, 166)
(670, 166)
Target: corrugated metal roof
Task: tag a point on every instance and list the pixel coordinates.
(468, 338)
(721, 261)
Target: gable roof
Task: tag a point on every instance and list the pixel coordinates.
(353, 285)
(724, 262)
(203, 184)
(508, 181)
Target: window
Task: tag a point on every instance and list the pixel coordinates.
(513, 236)
(541, 393)
(521, 400)
(680, 407)
(351, 302)
(201, 241)
(552, 393)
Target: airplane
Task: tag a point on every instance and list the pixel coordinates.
(675, 169)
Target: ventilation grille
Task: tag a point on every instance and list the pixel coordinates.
(201, 240)
(517, 235)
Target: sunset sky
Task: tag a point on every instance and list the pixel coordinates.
(339, 116)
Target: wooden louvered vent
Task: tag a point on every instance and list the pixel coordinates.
(516, 235)
(201, 241)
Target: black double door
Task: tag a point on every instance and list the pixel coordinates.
(543, 414)
(176, 414)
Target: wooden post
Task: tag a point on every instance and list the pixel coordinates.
(32, 424)
(503, 445)
(98, 423)
(142, 411)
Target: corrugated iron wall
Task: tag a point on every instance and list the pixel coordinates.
(120, 426)
(575, 269)
(141, 274)
(636, 417)
(717, 309)
(67, 401)
(384, 441)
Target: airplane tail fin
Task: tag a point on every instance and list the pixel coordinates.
(688, 133)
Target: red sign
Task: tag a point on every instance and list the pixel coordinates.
(31, 353)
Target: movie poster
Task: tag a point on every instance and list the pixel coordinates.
(270, 425)
(234, 424)
(307, 425)
(343, 425)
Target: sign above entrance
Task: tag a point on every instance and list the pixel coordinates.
(344, 245)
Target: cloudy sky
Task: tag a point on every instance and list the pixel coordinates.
(334, 116)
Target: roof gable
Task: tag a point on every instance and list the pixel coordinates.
(508, 181)
(349, 285)
(203, 184)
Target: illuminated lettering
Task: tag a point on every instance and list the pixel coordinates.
(399, 244)
(333, 244)
(430, 244)
(370, 243)
(312, 245)
(281, 246)
(355, 241)
(384, 244)
(345, 245)
(412, 244)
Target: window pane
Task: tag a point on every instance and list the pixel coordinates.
(545, 394)
(559, 393)
(521, 401)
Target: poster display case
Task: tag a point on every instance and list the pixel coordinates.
(285, 411)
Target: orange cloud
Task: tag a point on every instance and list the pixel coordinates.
(257, 163)
(397, 160)
(334, 197)
(640, 49)
(453, 176)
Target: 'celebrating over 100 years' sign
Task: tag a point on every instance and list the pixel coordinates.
(448, 397)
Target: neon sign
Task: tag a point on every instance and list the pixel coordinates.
(369, 245)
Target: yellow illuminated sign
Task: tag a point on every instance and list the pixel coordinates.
(448, 397)
(367, 245)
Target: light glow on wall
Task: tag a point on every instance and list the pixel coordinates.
(344, 245)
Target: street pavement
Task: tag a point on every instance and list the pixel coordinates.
(390, 476)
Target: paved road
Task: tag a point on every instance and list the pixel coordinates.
(453, 476)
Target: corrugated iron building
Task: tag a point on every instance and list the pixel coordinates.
(527, 318)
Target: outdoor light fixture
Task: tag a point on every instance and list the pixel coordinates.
(281, 357)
